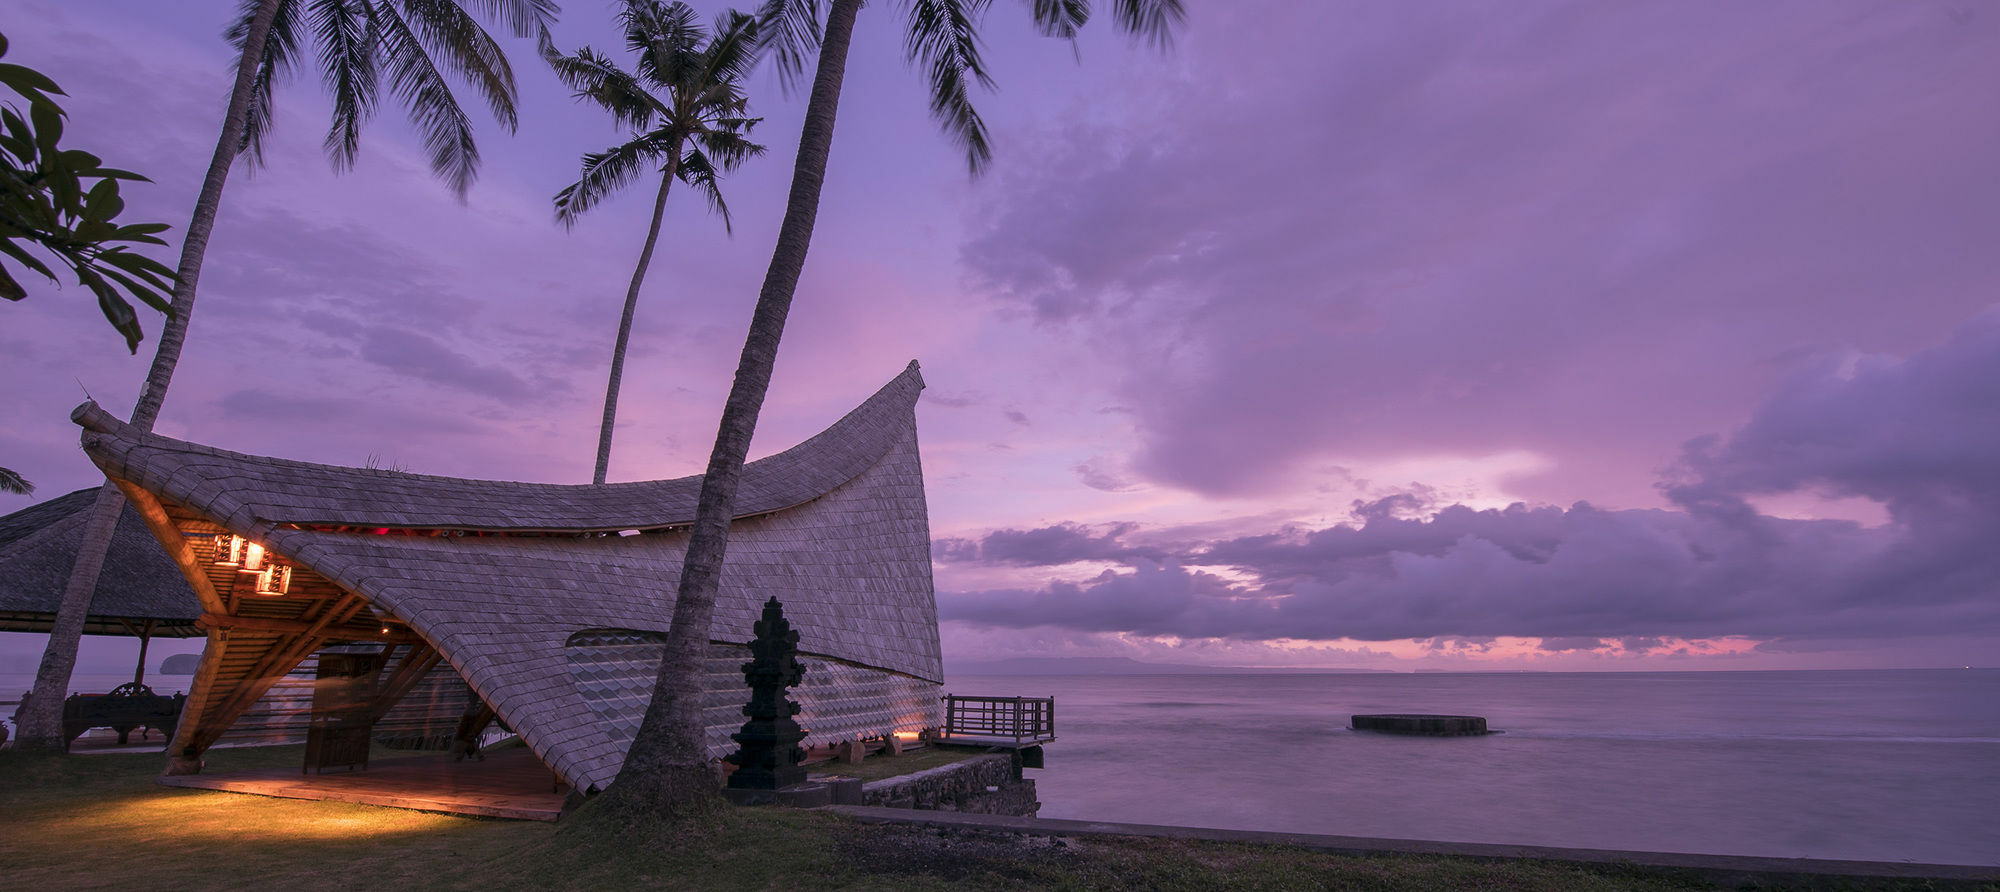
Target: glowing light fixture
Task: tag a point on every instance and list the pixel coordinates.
(274, 579)
(231, 552)
(253, 558)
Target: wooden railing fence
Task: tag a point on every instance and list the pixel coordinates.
(1015, 718)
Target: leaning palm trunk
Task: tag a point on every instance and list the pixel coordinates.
(666, 772)
(625, 322)
(41, 716)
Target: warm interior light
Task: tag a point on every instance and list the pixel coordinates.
(274, 579)
(253, 558)
(231, 553)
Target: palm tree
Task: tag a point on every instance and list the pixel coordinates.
(666, 772)
(359, 41)
(686, 108)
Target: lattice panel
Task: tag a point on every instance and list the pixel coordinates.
(429, 711)
(614, 672)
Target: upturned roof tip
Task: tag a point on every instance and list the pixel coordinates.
(90, 416)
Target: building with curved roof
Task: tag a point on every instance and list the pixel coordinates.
(550, 600)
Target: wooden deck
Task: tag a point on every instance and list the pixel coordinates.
(510, 783)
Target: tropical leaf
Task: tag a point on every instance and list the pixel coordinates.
(789, 30)
(604, 173)
(62, 204)
(1154, 20)
(345, 30)
(15, 483)
(453, 36)
(598, 79)
(942, 39)
(281, 48)
(1061, 18)
(416, 81)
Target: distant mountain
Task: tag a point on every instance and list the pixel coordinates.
(180, 664)
(1119, 666)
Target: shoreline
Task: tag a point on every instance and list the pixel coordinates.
(1723, 869)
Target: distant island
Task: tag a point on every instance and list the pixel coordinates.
(180, 664)
(1122, 666)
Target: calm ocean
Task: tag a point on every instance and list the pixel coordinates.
(1873, 765)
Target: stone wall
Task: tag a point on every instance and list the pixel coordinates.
(990, 785)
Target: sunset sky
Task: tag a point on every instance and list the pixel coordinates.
(1565, 335)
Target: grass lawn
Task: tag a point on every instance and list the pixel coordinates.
(880, 766)
(84, 822)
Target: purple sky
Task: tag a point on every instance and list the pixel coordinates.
(1514, 334)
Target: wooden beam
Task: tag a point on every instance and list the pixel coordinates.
(282, 657)
(183, 757)
(297, 626)
(176, 545)
(415, 665)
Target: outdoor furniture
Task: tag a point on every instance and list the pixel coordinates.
(128, 706)
(337, 741)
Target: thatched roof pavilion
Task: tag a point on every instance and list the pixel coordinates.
(550, 600)
(139, 593)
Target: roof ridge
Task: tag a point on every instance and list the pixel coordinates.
(267, 489)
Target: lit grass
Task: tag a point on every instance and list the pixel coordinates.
(879, 766)
(100, 822)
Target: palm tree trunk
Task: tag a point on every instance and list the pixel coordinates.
(666, 772)
(625, 322)
(41, 716)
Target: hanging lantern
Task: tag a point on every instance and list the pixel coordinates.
(274, 579)
(230, 553)
(253, 558)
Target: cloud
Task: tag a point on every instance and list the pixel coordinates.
(323, 414)
(1565, 645)
(421, 356)
(1921, 435)
(1574, 229)
(1064, 543)
(1097, 474)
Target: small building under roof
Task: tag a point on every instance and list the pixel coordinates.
(549, 600)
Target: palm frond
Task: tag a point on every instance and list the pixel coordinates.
(790, 31)
(666, 38)
(606, 172)
(594, 77)
(697, 171)
(942, 37)
(526, 18)
(450, 33)
(1061, 18)
(280, 49)
(447, 132)
(732, 53)
(346, 35)
(15, 483)
(1154, 20)
(727, 144)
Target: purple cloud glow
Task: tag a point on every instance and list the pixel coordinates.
(1290, 346)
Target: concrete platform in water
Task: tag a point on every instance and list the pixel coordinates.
(1423, 725)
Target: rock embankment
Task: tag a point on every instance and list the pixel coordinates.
(989, 785)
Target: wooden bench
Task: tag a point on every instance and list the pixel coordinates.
(128, 706)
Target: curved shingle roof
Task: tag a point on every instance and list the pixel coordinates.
(282, 491)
